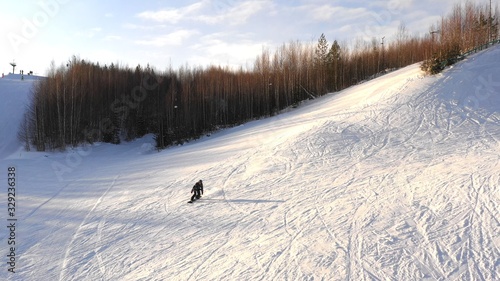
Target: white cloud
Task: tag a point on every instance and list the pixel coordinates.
(392, 6)
(88, 33)
(171, 15)
(333, 13)
(226, 49)
(112, 38)
(143, 27)
(237, 14)
(324, 13)
(175, 38)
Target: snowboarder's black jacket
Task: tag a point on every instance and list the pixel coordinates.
(198, 187)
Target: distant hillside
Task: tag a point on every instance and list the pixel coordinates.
(15, 91)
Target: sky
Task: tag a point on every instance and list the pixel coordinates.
(167, 34)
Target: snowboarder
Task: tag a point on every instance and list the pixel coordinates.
(197, 190)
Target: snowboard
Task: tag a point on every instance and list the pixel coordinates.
(196, 198)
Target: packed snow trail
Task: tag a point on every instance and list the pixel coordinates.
(394, 179)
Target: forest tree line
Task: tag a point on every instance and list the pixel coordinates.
(84, 102)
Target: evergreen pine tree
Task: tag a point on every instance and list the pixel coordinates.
(321, 52)
(334, 66)
(321, 64)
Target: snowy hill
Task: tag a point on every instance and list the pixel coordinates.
(14, 94)
(394, 179)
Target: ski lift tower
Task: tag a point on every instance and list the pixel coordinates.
(13, 64)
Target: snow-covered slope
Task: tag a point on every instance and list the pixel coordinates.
(394, 179)
(14, 96)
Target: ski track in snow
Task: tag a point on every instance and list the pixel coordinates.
(66, 260)
(394, 179)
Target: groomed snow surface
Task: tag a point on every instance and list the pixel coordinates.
(394, 179)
